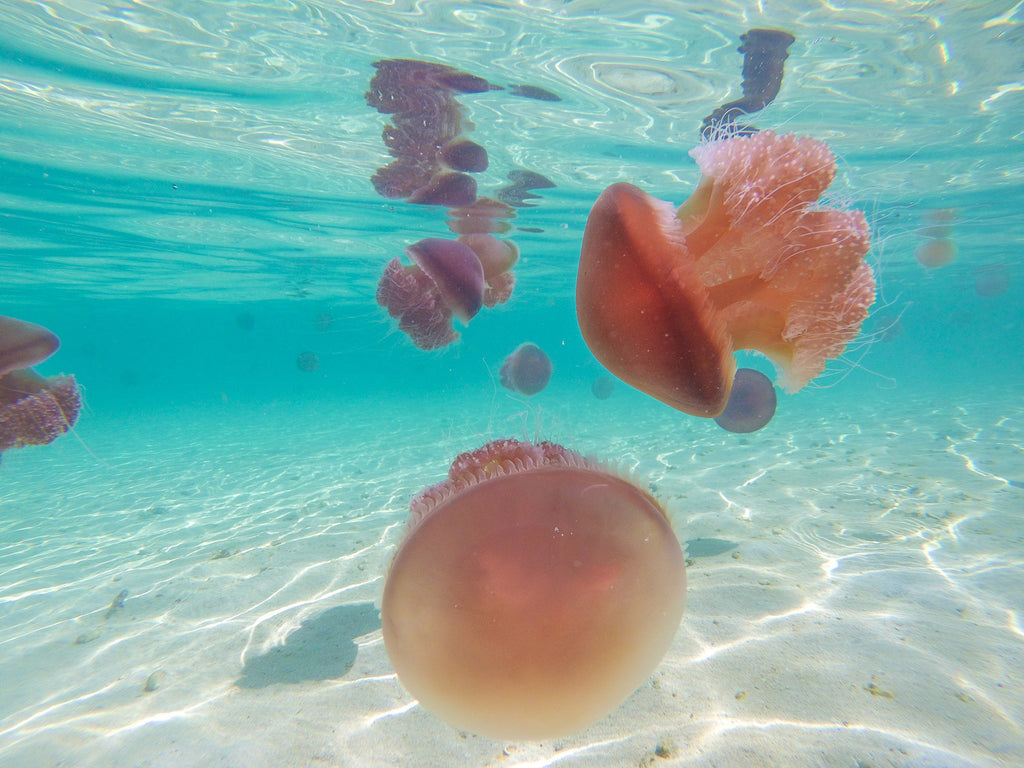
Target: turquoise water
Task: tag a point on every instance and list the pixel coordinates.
(186, 202)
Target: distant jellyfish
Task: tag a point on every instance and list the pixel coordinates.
(938, 223)
(446, 280)
(602, 387)
(991, 280)
(751, 403)
(527, 370)
(307, 362)
(324, 321)
(750, 261)
(888, 325)
(936, 253)
(534, 590)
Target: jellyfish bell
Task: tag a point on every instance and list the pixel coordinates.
(991, 280)
(645, 317)
(456, 271)
(751, 405)
(750, 261)
(446, 280)
(308, 362)
(936, 253)
(532, 593)
(602, 387)
(527, 370)
(24, 344)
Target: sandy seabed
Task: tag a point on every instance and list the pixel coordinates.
(199, 587)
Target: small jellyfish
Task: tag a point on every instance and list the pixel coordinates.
(602, 387)
(307, 362)
(991, 280)
(751, 403)
(527, 370)
(533, 592)
(935, 253)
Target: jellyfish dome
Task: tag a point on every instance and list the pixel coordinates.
(527, 370)
(533, 592)
(751, 260)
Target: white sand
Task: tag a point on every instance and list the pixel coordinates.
(868, 614)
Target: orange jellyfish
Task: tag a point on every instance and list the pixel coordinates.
(533, 592)
(750, 261)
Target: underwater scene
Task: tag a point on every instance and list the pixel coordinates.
(519, 383)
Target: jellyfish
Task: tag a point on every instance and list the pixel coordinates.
(991, 280)
(750, 261)
(34, 410)
(751, 403)
(534, 590)
(602, 387)
(527, 370)
(936, 252)
(307, 362)
(446, 279)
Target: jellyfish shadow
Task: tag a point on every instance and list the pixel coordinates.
(322, 648)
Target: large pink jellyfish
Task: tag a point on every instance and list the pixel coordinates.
(750, 261)
(533, 592)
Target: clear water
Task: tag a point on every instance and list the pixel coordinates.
(186, 203)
